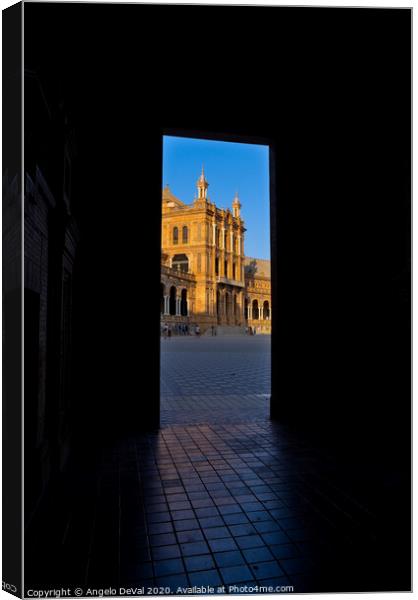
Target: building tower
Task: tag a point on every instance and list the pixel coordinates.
(203, 262)
(236, 206)
(202, 187)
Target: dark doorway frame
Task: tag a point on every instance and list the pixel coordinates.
(255, 139)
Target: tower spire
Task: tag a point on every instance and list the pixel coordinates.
(236, 205)
(202, 186)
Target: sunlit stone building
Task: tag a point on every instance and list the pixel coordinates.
(205, 277)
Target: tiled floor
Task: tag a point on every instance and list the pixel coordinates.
(229, 500)
(215, 379)
(213, 505)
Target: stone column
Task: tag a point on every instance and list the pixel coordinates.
(238, 315)
(166, 305)
(213, 274)
(260, 313)
(239, 261)
(178, 300)
(214, 234)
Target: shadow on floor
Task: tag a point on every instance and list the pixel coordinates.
(250, 503)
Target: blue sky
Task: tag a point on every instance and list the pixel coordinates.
(229, 167)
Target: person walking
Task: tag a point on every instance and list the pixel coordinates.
(197, 330)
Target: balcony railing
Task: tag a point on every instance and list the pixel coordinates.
(177, 273)
(228, 281)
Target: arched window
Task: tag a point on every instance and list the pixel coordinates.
(183, 303)
(172, 300)
(217, 236)
(216, 266)
(185, 235)
(255, 310)
(225, 239)
(175, 235)
(226, 268)
(218, 303)
(180, 262)
(235, 306)
(162, 292)
(233, 271)
(266, 310)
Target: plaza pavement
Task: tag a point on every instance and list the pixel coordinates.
(215, 379)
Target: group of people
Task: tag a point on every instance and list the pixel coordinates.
(167, 330)
(251, 330)
(170, 329)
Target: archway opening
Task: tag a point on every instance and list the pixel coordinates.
(266, 310)
(256, 313)
(173, 302)
(183, 303)
(162, 294)
(180, 262)
(216, 278)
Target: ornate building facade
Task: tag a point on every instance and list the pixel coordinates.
(206, 279)
(257, 308)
